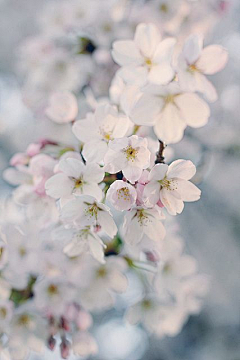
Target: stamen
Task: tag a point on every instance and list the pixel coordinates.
(123, 194)
(130, 153)
(52, 290)
(168, 184)
(193, 68)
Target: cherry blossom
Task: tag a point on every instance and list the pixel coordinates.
(98, 129)
(170, 185)
(105, 280)
(86, 218)
(63, 107)
(86, 211)
(85, 241)
(122, 195)
(170, 110)
(147, 56)
(129, 155)
(75, 178)
(195, 62)
(143, 223)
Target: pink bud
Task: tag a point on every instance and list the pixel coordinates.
(97, 228)
(64, 324)
(51, 343)
(160, 204)
(65, 348)
(19, 159)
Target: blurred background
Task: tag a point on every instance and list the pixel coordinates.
(211, 228)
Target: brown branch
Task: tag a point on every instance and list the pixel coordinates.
(160, 158)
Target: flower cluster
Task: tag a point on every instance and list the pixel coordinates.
(87, 213)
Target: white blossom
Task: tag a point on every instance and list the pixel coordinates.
(75, 178)
(170, 110)
(129, 155)
(143, 223)
(86, 211)
(63, 107)
(195, 62)
(122, 195)
(147, 57)
(171, 185)
(98, 129)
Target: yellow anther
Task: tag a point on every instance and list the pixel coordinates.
(130, 153)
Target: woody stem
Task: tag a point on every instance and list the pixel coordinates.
(160, 158)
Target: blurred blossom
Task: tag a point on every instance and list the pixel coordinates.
(100, 253)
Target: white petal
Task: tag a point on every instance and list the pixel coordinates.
(132, 173)
(134, 75)
(194, 110)
(72, 167)
(155, 230)
(158, 172)
(147, 37)
(212, 60)
(192, 48)
(84, 344)
(63, 107)
(133, 231)
(96, 248)
(93, 190)
(75, 248)
(205, 87)
(107, 223)
(15, 177)
(125, 52)
(183, 169)
(59, 185)
(93, 173)
(118, 281)
(94, 151)
(151, 193)
(146, 110)
(164, 51)
(161, 74)
(85, 130)
(173, 205)
(121, 127)
(169, 125)
(188, 191)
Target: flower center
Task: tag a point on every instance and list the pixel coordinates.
(146, 304)
(148, 62)
(142, 217)
(24, 320)
(78, 183)
(167, 268)
(107, 136)
(193, 68)
(169, 99)
(92, 210)
(164, 8)
(52, 290)
(123, 194)
(130, 153)
(22, 251)
(2, 249)
(168, 184)
(3, 313)
(101, 272)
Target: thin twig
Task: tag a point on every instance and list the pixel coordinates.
(160, 158)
